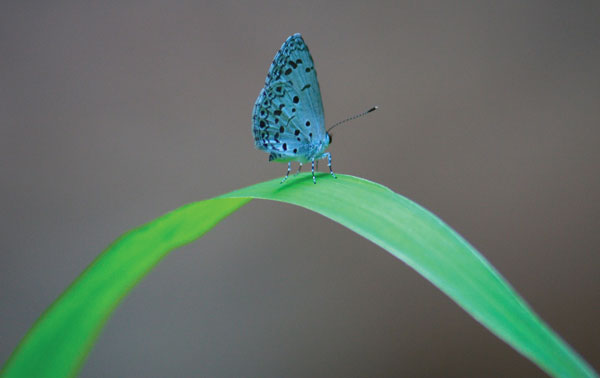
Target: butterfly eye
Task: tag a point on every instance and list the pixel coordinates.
(330, 138)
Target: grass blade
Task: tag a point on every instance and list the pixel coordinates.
(61, 339)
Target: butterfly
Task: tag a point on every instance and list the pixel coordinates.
(288, 120)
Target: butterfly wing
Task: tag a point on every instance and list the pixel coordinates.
(288, 118)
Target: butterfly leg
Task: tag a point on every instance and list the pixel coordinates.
(299, 168)
(313, 170)
(329, 164)
(288, 172)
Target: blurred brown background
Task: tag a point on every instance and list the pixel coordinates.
(112, 113)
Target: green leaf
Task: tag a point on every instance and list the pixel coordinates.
(60, 340)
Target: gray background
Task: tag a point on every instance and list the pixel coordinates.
(113, 113)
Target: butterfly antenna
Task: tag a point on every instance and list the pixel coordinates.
(353, 117)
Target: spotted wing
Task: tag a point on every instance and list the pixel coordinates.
(288, 114)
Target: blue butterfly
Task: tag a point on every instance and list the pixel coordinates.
(288, 120)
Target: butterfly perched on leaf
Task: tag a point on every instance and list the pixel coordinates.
(288, 120)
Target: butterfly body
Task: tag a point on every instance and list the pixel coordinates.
(288, 120)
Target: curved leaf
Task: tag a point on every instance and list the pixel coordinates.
(60, 340)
